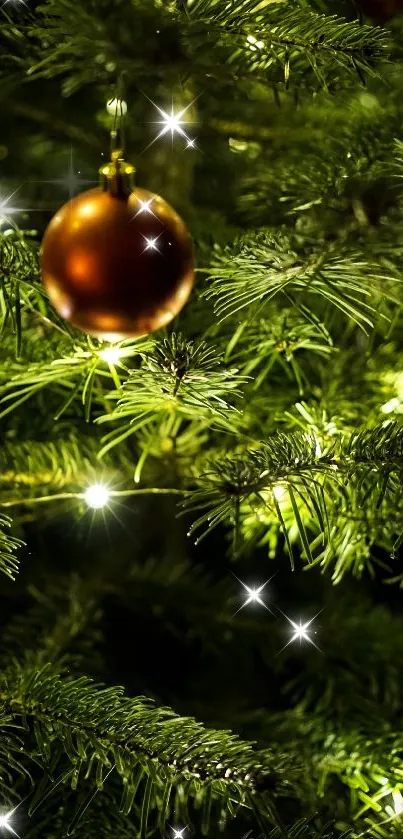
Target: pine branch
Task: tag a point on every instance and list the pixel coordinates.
(278, 42)
(150, 749)
(258, 267)
(269, 42)
(179, 380)
(8, 546)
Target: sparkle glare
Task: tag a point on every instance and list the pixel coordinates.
(97, 496)
(178, 834)
(145, 207)
(5, 821)
(253, 594)
(151, 243)
(301, 631)
(6, 211)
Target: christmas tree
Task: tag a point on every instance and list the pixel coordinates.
(201, 508)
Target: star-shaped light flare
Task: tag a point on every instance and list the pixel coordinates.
(172, 123)
(70, 181)
(151, 243)
(5, 821)
(177, 833)
(6, 211)
(145, 208)
(301, 632)
(253, 594)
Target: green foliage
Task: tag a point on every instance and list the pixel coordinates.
(258, 267)
(276, 413)
(179, 381)
(8, 547)
(155, 753)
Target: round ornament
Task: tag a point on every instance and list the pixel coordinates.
(117, 262)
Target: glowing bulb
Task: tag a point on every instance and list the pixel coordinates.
(397, 802)
(97, 496)
(390, 406)
(5, 821)
(279, 492)
(116, 106)
(6, 211)
(111, 355)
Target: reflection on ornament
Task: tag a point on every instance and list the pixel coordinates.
(145, 207)
(151, 243)
(97, 496)
(14, 3)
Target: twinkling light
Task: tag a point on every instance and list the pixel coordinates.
(5, 821)
(151, 243)
(97, 496)
(70, 182)
(111, 355)
(172, 123)
(145, 207)
(177, 833)
(191, 144)
(301, 631)
(6, 211)
(116, 106)
(253, 594)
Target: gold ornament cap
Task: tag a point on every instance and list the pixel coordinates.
(116, 177)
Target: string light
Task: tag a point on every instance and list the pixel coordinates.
(254, 44)
(279, 492)
(97, 496)
(115, 106)
(5, 821)
(111, 355)
(253, 594)
(397, 802)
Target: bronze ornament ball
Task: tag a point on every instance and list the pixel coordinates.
(117, 263)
